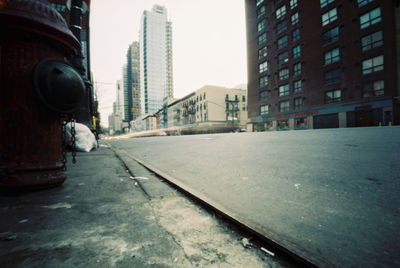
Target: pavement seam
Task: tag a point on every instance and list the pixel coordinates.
(131, 174)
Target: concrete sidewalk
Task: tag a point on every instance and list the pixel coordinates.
(101, 217)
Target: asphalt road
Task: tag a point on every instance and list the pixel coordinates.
(331, 196)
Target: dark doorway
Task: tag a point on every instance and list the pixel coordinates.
(364, 118)
(326, 121)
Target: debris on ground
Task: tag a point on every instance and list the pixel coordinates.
(246, 243)
(267, 251)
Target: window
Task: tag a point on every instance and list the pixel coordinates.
(261, 25)
(284, 90)
(284, 74)
(263, 95)
(284, 106)
(370, 18)
(298, 103)
(293, 4)
(297, 86)
(259, 2)
(204, 95)
(263, 67)
(330, 36)
(260, 12)
(371, 41)
(263, 81)
(372, 65)
(264, 109)
(297, 69)
(295, 18)
(296, 35)
(282, 42)
(262, 53)
(243, 98)
(280, 12)
(283, 58)
(262, 38)
(281, 27)
(324, 3)
(375, 88)
(296, 51)
(363, 2)
(333, 76)
(329, 16)
(332, 56)
(333, 96)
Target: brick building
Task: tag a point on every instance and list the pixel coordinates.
(321, 64)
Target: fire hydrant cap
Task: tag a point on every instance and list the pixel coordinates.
(40, 17)
(58, 85)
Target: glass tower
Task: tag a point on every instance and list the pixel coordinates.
(155, 59)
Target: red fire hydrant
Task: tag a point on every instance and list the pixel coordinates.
(39, 88)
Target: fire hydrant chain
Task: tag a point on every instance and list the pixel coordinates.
(73, 143)
(64, 145)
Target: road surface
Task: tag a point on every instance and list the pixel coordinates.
(331, 196)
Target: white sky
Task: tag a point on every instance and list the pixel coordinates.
(208, 42)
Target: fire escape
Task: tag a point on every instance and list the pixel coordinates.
(177, 116)
(192, 111)
(232, 110)
(185, 113)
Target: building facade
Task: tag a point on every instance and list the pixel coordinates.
(155, 59)
(131, 73)
(210, 108)
(322, 64)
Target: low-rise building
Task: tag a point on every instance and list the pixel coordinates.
(210, 108)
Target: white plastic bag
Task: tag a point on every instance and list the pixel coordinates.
(85, 140)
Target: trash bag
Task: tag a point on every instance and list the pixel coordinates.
(85, 140)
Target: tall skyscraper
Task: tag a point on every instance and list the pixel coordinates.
(131, 73)
(155, 59)
(322, 64)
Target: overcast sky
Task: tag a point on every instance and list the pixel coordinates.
(208, 41)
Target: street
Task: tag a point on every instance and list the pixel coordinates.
(330, 196)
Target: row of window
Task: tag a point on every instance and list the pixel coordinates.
(284, 106)
(283, 90)
(236, 98)
(375, 88)
(327, 17)
(324, 3)
(282, 74)
(370, 18)
(370, 65)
